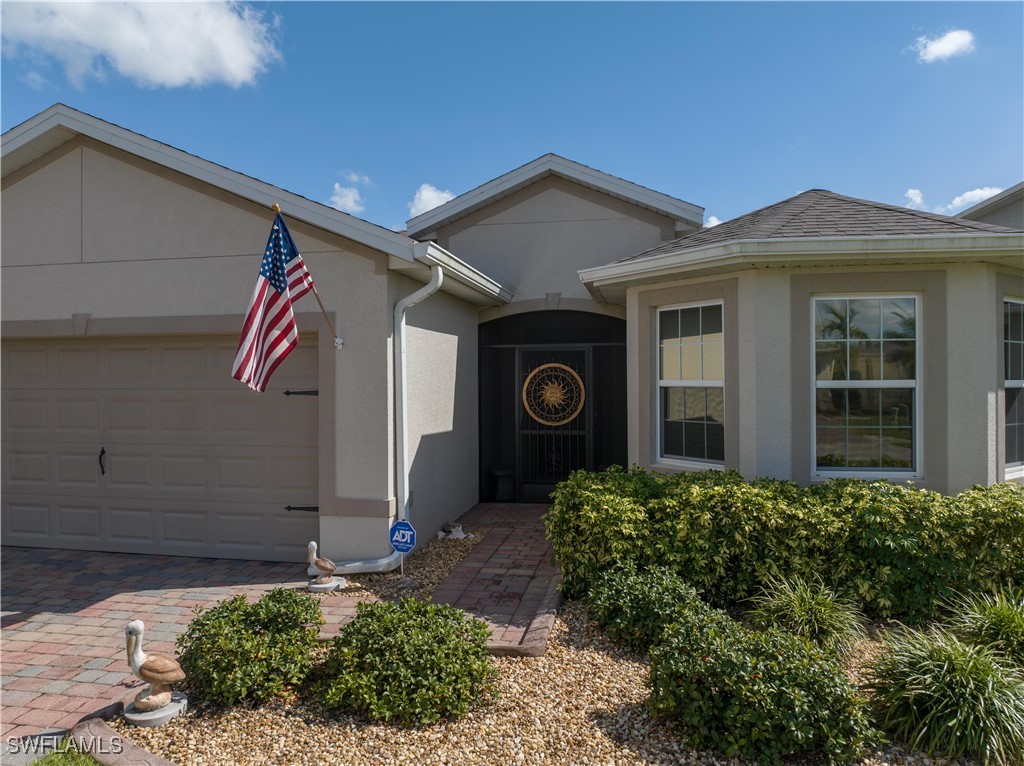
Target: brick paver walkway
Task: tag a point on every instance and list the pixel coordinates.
(509, 580)
(62, 653)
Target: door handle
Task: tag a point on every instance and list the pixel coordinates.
(103, 468)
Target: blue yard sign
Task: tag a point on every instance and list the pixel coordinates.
(403, 536)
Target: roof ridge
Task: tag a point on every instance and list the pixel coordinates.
(814, 197)
(965, 223)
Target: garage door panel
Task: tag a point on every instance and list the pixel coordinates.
(26, 521)
(27, 468)
(78, 522)
(131, 525)
(77, 469)
(195, 463)
(217, 530)
(25, 416)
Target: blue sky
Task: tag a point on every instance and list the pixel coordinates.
(731, 106)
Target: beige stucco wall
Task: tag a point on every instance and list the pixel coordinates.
(959, 377)
(138, 249)
(535, 241)
(443, 446)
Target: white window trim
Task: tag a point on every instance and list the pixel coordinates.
(1011, 471)
(917, 385)
(680, 463)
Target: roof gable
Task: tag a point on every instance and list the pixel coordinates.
(821, 214)
(542, 167)
(59, 124)
(49, 130)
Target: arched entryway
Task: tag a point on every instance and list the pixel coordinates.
(552, 400)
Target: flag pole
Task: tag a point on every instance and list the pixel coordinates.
(338, 342)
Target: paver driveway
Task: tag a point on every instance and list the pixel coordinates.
(62, 653)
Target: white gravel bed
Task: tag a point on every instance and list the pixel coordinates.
(581, 703)
(426, 567)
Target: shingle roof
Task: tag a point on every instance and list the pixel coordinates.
(823, 214)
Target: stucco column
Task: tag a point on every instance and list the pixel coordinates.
(972, 332)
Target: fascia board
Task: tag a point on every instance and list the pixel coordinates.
(433, 254)
(995, 201)
(573, 171)
(749, 252)
(294, 206)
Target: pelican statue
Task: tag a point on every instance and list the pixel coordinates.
(158, 670)
(324, 566)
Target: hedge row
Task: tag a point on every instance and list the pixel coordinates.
(897, 549)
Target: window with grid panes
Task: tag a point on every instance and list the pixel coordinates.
(865, 384)
(1013, 376)
(691, 383)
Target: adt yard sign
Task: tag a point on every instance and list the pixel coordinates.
(403, 536)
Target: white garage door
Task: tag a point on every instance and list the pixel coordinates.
(147, 445)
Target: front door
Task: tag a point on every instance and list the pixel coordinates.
(552, 401)
(554, 418)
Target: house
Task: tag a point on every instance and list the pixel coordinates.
(1003, 209)
(560, 318)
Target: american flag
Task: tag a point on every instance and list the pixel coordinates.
(269, 333)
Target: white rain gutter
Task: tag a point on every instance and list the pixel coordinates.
(388, 563)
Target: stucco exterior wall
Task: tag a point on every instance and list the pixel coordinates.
(443, 446)
(770, 381)
(136, 249)
(535, 241)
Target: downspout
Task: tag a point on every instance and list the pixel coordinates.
(388, 563)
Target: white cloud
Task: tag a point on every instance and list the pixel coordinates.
(357, 178)
(915, 199)
(955, 43)
(347, 199)
(427, 198)
(968, 199)
(34, 80)
(713, 220)
(153, 44)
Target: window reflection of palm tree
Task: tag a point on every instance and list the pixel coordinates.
(902, 355)
(838, 324)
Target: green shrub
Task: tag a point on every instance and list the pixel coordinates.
(941, 695)
(240, 651)
(411, 662)
(811, 610)
(995, 620)
(759, 695)
(897, 549)
(598, 520)
(991, 526)
(635, 608)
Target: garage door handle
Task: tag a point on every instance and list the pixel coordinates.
(103, 468)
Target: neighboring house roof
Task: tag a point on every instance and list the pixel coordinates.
(816, 227)
(552, 164)
(50, 129)
(1012, 196)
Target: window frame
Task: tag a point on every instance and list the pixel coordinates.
(1011, 471)
(669, 461)
(916, 385)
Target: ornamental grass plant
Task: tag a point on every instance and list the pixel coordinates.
(996, 620)
(807, 608)
(941, 695)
